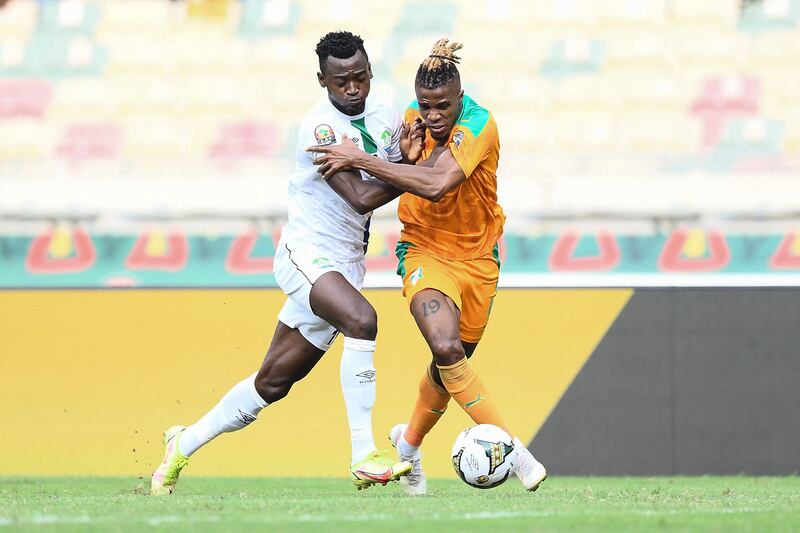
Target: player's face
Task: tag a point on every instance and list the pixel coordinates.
(347, 81)
(440, 108)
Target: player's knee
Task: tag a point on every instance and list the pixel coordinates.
(272, 389)
(447, 351)
(362, 324)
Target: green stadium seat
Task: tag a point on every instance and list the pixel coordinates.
(573, 58)
(268, 18)
(70, 17)
(770, 15)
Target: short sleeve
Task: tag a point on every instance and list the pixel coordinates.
(470, 150)
(314, 133)
(412, 113)
(393, 152)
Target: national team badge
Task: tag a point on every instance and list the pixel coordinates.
(324, 135)
(416, 276)
(386, 137)
(458, 137)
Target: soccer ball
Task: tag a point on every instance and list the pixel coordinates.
(483, 456)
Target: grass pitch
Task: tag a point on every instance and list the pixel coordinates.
(247, 504)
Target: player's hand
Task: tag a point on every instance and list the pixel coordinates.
(412, 140)
(336, 158)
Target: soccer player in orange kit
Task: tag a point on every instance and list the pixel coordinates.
(447, 253)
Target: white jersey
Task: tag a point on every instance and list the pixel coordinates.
(318, 216)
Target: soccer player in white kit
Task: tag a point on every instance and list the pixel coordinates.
(319, 264)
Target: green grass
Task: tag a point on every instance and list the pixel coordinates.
(248, 504)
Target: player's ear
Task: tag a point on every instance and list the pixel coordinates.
(321, 79)
(369, 69)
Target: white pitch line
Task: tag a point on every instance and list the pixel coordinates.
(306, 518)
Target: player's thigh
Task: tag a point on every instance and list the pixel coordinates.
(437, 318)
(322, 294)
(316, 330)
(335, 299)
(477, 280)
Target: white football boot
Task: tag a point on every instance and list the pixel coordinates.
(414, 482)
(529, 471)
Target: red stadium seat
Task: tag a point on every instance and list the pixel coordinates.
(722, 100)
(84, 142)
(244, 140)
(24, 98)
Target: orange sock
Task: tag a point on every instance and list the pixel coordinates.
(467, 389)
(431, 405)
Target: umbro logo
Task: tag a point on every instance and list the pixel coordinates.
(368, 376)
(246, 418)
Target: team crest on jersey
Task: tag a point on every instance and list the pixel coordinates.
(458, 137)
(416, 276)
(324, 135)
(386, 137)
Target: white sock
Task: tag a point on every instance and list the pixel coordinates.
(357, 375)
(407, 451)
(238, 408)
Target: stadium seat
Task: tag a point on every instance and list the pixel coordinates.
(566, 14)
(61, 55)
(212, 10)
(244, 140)
(18, 20)
(89, 141)
(573, 57)
(724, 13)
(139, 18)
(770, 15)
(71, 17)
(24, 98)
(724, 99)
(12, 58)
(22, 140)
(420, 21)
(638, 13)
(268, 18)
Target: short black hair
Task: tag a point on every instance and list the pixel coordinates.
(439, 68)
(339, 44)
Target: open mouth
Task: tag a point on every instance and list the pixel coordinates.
(437, 130)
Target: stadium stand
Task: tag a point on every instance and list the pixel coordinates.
(211, 91)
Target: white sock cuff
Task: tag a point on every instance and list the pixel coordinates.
(359, 345)
(254, 393)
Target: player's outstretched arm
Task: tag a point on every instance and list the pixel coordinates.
(430, 183)
(362, 195)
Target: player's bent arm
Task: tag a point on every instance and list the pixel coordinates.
(362, 195)
(430, 183)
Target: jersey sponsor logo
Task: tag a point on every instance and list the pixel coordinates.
(458, 137)
(386, 137)
(324, 135)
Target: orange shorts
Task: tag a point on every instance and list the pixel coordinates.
(471, 284)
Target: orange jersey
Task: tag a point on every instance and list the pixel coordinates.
(467, 222)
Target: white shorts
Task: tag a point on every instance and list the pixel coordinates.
(296, 269)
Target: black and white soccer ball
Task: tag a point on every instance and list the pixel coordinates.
(483, 456)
